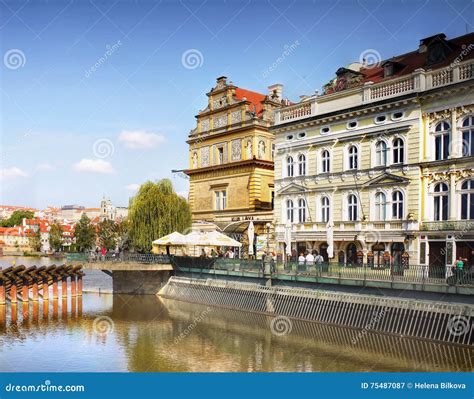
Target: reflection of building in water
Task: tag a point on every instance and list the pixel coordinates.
(311, 346)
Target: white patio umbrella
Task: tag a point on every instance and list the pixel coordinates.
(210, 239)
(288, 238)
(174, 238)
(251, 236)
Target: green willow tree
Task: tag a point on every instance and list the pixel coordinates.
(107, 234)
(155, 211)
(85, 234)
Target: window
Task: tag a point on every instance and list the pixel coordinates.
(442, 140)
(352, 206)
(398, 150)
(289, 167)
(353, 157)
(301, 165)
(380, 119)
(380, 206)
(301, 210)
(381, 154)
(397, 205)
(325, 209)
(220, 155)
(326, 159)
(325, 129)
(289, 211)
(467, 200)
(468, 137)
(397, 115)
(351, 124)
(441, 201)
(221, 200)
(301, 135)
(289, 137)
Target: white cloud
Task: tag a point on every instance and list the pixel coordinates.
(132, 187)
(11, 173)
(94, 166)
(44, 166)
(140, 139)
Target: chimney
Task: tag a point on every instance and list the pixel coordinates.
(222, 80)
(275, 92)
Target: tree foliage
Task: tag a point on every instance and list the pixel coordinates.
(56, 237)
(16, 218)
(85, 234)
(107, 234)
(155, 211)
(34, 239)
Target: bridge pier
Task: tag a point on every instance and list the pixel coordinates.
(140, 282)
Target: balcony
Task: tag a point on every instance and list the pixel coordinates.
(418, 81)
(452, 225)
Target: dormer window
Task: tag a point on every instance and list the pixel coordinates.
(388, 70)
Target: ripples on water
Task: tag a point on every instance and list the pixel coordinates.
(146, 333)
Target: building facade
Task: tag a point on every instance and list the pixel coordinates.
(358, 168)
(231, 158)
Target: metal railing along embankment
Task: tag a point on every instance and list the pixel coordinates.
(435, 321)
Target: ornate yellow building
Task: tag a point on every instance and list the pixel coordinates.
(380, 165)
(231, 154)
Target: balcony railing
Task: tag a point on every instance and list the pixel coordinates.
(418, 81)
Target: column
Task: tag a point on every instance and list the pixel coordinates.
(55, 288)
(73, 286)
(452, 196)
(456, 142)
(79, 285)
(3, 293)
(25, 291)
(64, 286)
(13, 292)
(45, 287)
(34, 290)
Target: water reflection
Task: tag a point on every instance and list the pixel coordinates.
(120, 333)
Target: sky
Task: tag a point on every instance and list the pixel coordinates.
(98, 97)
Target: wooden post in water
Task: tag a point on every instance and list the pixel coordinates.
(64, 286)
(3, 316)
(14, 310)
(13, 292)
(55, 308)
(25, 291)
(3, 293)
(35, 311)
(34, 290)
(64, 308)
(45, 287)
(55, 288)
(73, 286)
(26, 310)
(45, 310)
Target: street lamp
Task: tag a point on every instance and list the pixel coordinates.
(268, 225)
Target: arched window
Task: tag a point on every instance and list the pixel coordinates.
(398, 150)
(440, 202)
(325, 209)
(326, 159)
(289, 167)
(301, 210)
(301, 165)
(352, 207)
(351, 254)
(353, 157)
(467, 200)
(289, 211)
(442, 140)
(397, 205)
(380, 206)
(468, 137)
(381, 154)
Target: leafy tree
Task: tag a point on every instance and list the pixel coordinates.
(155, 211)
(123, 234)
(34, 239)
(107, 234)
(16, 218)
(85, 234)
(56, 236)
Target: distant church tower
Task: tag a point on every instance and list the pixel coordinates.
(107, 209)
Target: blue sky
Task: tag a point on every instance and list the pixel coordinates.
(99, 96)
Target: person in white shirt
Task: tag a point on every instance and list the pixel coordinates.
(231, 254)
(301, 259)
(309, 258)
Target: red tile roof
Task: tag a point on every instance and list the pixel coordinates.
(411, 61)
(255, 98)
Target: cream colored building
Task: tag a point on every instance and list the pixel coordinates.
(231, 156)
(360, 157)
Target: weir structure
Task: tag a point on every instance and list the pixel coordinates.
(429, 320)
(34, 284)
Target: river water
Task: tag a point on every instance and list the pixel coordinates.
(107, 332)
